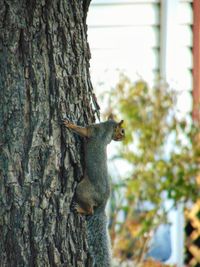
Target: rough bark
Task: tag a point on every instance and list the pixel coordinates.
(44, 76)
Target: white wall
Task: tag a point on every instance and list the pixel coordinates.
(124, 35)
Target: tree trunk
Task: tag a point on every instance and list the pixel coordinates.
(44, 76)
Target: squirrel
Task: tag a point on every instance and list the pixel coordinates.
(93, 191)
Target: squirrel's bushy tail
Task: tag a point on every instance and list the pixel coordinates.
(99, 240)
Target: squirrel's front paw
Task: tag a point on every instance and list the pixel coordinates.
(67, 123)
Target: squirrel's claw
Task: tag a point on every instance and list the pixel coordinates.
(74, 206)
(65, 122)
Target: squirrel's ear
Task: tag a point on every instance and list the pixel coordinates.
(121, 122)
(111, 117)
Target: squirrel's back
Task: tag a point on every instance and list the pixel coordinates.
(96, 156)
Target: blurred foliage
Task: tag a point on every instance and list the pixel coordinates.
(152, 263)
(146, 263)
(163, 152)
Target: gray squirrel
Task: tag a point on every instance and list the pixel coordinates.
(93, 191)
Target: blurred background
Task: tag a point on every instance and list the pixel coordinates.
(145, 69)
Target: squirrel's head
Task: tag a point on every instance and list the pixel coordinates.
(119, 132)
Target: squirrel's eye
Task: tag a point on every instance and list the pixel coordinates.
(122, 131)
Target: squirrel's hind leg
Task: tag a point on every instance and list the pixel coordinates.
(84, 198)
(83, 209)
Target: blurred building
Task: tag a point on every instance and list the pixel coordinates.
(150, 39)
